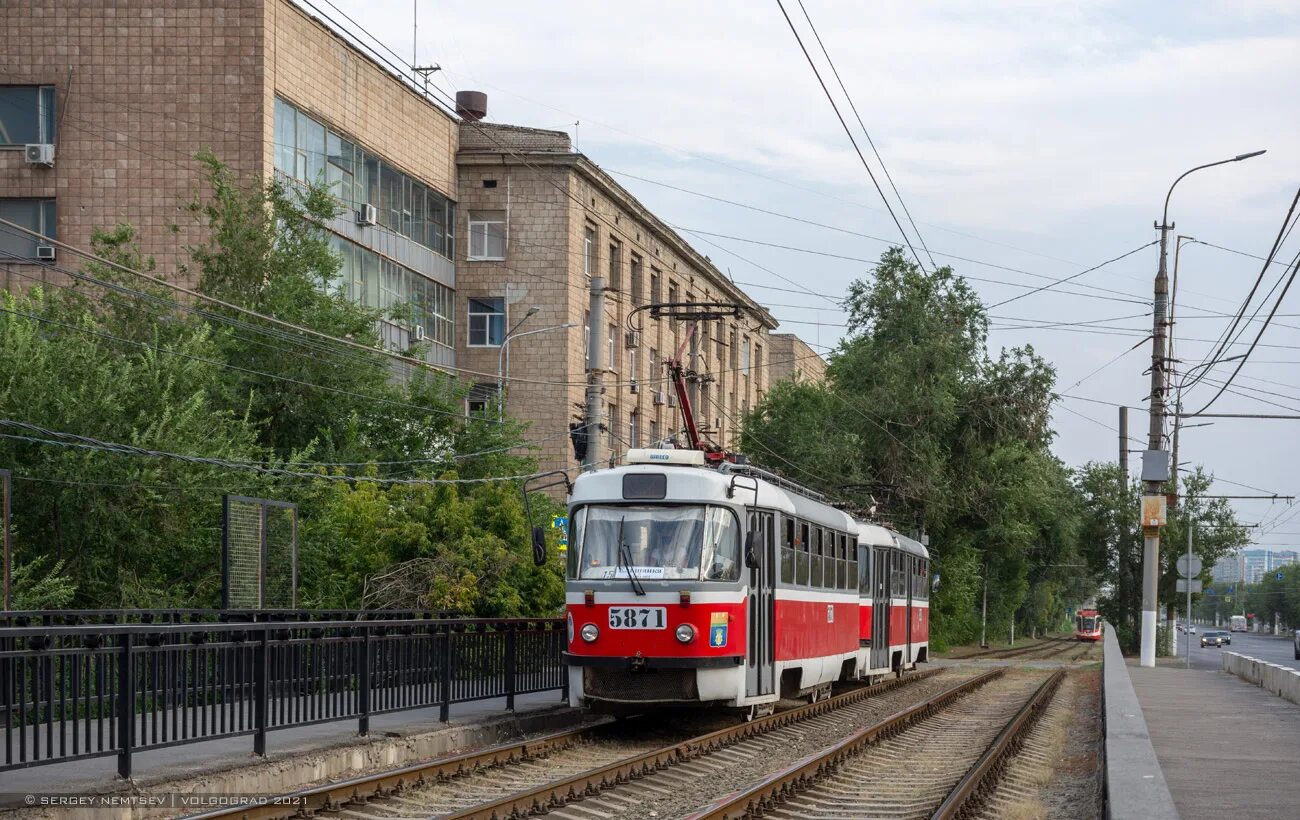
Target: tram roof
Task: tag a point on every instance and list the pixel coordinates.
(689, 484)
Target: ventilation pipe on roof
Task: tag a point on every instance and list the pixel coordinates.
(471, 105)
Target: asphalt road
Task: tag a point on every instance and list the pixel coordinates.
(1265, 647)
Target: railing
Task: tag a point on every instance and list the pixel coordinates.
(70, 692)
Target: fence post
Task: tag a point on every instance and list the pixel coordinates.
(444, 711)
(510, 666)
(363, 682)
(260, 674)
(125, 707)
(559, 640)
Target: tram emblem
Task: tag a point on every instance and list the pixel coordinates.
(718, 628)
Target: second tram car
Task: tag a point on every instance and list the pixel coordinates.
(1087, 625)
(727, 585)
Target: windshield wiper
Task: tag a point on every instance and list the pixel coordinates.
(625, 559)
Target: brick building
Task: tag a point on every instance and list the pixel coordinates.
(128, 91)
(792, 358)
(537, 220)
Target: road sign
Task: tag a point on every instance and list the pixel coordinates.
(1231, 590)
(1186, 571)
(1209, 590)
(1279, 576)
(1183, 582)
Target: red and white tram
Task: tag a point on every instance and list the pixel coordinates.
(894, 606)
(726, 585)
(1087, 625)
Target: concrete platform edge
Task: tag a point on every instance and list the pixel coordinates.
(1135, 783)
(1278, 679)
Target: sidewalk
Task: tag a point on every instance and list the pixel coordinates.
(323, 748)
(1228, 749)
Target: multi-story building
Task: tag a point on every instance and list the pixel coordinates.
(538, 221)
(792, 358)
(124, 94)
(1227, 569)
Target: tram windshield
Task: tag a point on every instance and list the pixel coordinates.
(1088, 623)
(661, 542)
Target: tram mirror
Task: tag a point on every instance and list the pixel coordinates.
(751, 549)
(539, 546)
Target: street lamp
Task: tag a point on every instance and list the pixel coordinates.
(1156, 475)
(501, 357)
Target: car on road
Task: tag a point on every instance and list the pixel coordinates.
(1297, 644)
(1212, 638)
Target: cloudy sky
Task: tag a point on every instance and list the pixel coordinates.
(1030, 141)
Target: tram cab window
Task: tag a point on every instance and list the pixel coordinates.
(787, 550)
(864, 570)
(659, 542)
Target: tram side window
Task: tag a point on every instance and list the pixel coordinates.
(864, 570)
(801, 555)
(818, 562)
(850, 562)
(925, 580)
(787, 550)
(896, 574)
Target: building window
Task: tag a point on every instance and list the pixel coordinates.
(481, 398)
(758, 357)
(377, 282)
(735, 350)
(655, 292)
(611, 354)
(654, 433)
(307, 151)
(586, 337)
(487, 322)
(635, 296)
(589, 251)
(26, 114)
(744, 357)
(631, 364)
(634, 429)
(34, 215)
(487, 235)
(615, 262)
(654, 364)
(613, 426)
(672, 292)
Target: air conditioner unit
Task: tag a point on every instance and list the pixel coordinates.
(661, 397)
(672, 399)
(417, 333)
(633, 340)
(45, 253)
(633, 387)
(367, 215)
(39, 153)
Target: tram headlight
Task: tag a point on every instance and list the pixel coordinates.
(685, 633)
(590, 633)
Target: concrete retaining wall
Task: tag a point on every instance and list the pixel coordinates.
(1135, 783)
(1280, 680)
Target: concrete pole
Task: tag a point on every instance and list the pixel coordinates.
(596, 342)
(693, 382)
(984, 612)
(1155, 441)
(1190, 529)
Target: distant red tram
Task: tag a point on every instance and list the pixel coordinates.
(1087, 625)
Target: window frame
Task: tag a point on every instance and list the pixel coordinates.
(46, 221)
(485, 317)
(477, 222)
(46, 115)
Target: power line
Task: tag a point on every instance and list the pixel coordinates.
(46, 436)
(1072, 276)
(849, 133)
(865, 133)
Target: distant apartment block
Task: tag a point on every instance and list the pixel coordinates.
(793, 358)
(1252, 566)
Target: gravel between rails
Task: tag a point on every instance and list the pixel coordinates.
(1055, 774)
(682, 789)
(608, 743)
(909, 774)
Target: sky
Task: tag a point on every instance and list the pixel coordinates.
(1029, 140)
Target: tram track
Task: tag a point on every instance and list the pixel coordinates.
(940, 758)
(525, 778)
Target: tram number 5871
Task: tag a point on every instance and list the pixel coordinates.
(632, 617)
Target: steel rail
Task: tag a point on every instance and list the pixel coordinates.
(986, 771)
(333, 796)
(793, 779)
(557, 793)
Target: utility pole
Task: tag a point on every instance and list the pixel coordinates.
(1155, 461)
(984, 611)
(693, 377)
(1191, 526)
(1123, 447)
(1155, 464)
(595, 377)
(1122, 548)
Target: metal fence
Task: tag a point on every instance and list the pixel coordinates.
(259, 552)
(69, 692)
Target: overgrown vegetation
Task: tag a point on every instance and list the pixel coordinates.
(123, 362)
(917, 415)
